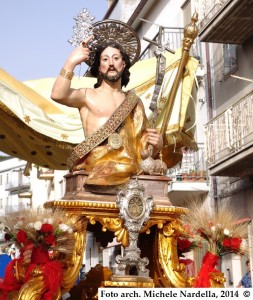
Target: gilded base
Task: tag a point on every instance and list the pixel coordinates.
(129, 281)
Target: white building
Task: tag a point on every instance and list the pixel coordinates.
(13, 183)
(24, 185)
(224, 102)
(227, 35)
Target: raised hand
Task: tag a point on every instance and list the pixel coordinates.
(79, 55)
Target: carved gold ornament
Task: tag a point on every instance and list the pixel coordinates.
(115, 141)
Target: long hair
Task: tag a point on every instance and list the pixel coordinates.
(94, 70)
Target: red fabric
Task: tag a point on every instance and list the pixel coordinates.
(52, 275)
(9, 282)
(51, 270)
(185, 261)
(209, 262)
(39, 256)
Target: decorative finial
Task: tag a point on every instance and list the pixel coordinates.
(190, 32)
(83, 28)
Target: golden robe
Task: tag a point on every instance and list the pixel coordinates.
(107, 166)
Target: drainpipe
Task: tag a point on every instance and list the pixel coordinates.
(210, 116)
(250, 245)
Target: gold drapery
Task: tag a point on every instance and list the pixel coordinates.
(38, 130)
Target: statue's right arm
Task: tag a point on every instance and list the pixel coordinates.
(62, 92)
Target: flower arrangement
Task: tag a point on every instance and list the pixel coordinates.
(220, 229)
(41, 235)
(223, 234)
(47, 229)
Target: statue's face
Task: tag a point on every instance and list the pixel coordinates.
(111, 64)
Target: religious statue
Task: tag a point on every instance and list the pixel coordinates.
(115, 125)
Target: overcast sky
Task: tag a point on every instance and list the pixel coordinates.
(34, 34)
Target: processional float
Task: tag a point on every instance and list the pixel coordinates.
(141, 207)
(137, 211)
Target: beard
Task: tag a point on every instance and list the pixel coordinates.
(113, 78)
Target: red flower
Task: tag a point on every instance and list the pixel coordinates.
(50, 240)
(183, 244)
(22, 237)
(226, 243)
(236, 243)
(232, 243)
(47, 228)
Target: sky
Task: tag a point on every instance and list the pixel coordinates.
(34, 35)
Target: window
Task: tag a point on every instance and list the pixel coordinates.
(230, 59)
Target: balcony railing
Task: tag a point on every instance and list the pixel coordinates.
(231, 132)
(207, 9)
(173, 37)
(190, 180)
(225, 21)
(193, 166)
(18, 184)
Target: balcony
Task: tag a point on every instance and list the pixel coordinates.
(225, 21)
(173, 37)
(18, 185)
(229, 140)
(45, 174)
(190, 180)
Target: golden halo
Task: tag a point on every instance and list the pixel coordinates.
(119, 32)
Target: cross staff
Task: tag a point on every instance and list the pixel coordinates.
(160, 70)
